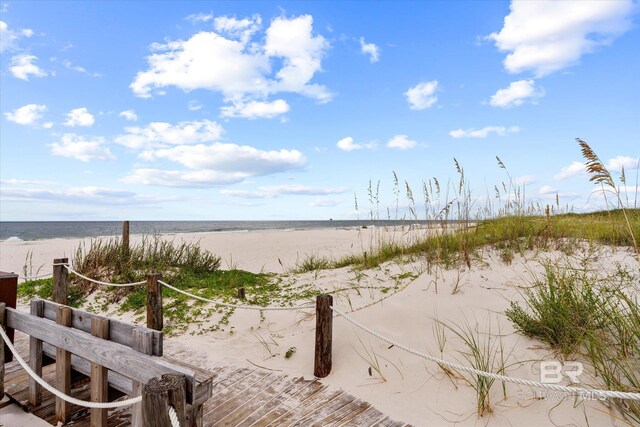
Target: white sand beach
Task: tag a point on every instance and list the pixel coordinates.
(401, 300)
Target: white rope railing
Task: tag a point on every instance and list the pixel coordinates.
(41, 276)
(585, 392)
(246, 307)
(98, 282)
(173, 417)
(53, 390)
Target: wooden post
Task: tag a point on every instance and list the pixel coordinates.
(2, 323)
(158, 395)
(241, 293)
(60, 281)
(35, 356)
(9, 296)
(142, 342)
(154, 302)
(324, 329)
(99, 376)
(63, 370)
(125, 237)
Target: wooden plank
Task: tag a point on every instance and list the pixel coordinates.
(2, 322)
(306, 407)
(99, 376)
(252, 404)
(233, 402)
(114, 356)
(35, 351)
(336, 415)
(143, 343)
(63, 370)
(366, 418)
(60, 280)
(158, 395)
(223, 395)
(154, 302)
(296, 386)
(120, 332)
(285, 406)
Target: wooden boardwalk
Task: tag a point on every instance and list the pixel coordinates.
(241, 397)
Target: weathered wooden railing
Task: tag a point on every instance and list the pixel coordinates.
(114, 354)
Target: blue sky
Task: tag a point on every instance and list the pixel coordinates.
(286, 110)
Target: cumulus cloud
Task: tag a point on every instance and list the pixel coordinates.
(79, 117)
(255, 109)
(401, 142)
(484, 132)
(82, 195)
(162, 134)
(26, 115)
(229, 61)
(129, 115)
(546, 35)
(516, 94)
(22, 66)
(579, 169)
(423, 95)
(347, 144)
(230, 158)
(617, 163)
(81, 148)
(271, 191)
(370, 49)
(9, 37)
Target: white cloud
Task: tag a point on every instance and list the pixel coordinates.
(484, 132)
(161, 134)
(325, 203)
(129, 115)
(347, 144)
(81, 148)
(79, 69)
(194, 18)
(271, 191)
(616, 164)
(231, 158)
(83, 195)
(241, 69)
(574, 169)
(547, 36)
(173, 178)
(547, 189)
(401, 142)
(27, 114)
(516, 94)
(423, 95)
(7, 37)
(370, 49)
(194, 105)
(256, 109)
(79, 117)
(22, 66)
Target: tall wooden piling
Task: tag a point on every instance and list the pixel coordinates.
(35, 356)
(60, 281)
(158, 395)
(125, 237)
(154, 302)
(324, 330)
(2, 323)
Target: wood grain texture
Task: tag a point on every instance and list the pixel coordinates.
(99, 376)
(120, 332)
(2, 323)
(324, 330)
(154, 302)
(160, 393)
(60, 281)
(63, 369)
(143, 343)
(36, 308)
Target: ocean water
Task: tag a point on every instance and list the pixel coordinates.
(35, 230)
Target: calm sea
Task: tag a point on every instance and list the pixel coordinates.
(68, 229)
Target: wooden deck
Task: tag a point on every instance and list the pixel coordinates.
(241, 397)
